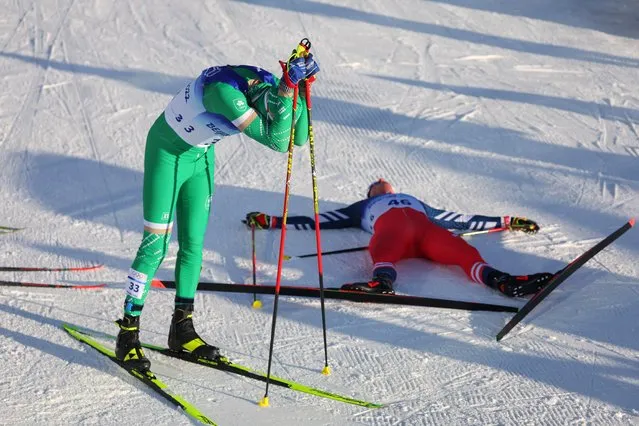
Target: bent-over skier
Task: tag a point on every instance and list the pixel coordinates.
(179, 163)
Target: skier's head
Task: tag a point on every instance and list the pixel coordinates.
(379, 187)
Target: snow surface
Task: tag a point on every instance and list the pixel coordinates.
(493, 107)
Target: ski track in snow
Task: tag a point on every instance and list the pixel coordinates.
(493, 108)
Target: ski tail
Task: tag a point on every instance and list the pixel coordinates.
(562, 275)
(147, 377)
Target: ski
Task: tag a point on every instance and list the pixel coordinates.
(44, 269)
(9, 230)
(561, 276)
(48, 285)
(147, 377)
(230, 367)
(337, 293)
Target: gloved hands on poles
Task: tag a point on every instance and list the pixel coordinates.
(298, 68)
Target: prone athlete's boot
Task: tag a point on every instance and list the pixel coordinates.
(127, 345)
(184, 338)
(519, 285)
(380, 284)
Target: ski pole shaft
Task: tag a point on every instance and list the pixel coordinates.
(327, 253)
(302, 47)
(44, 269)
(256, 303)
(363, 248)
(320, 269)
(483, 231)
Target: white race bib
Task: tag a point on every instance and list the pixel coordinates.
(188, 117)
(384, 203)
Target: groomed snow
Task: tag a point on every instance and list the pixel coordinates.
(490, 107)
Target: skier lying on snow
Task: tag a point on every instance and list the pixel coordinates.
(404, 227)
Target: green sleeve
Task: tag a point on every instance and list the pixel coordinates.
(272, 125)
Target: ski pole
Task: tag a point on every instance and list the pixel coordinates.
(301, 49)
(483, 231)
(44, 269)
(311, 143)
(327, 253)
(256, 302)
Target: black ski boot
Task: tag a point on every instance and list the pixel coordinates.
(184, 338)
(380, 284)
(127, 345)
(519, 285)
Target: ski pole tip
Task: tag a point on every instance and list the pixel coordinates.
(326, 370)
(257, 304)
(263, 402)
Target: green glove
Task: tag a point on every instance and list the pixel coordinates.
(522, 224)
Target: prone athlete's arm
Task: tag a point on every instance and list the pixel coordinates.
(347, 217)
(452, 220)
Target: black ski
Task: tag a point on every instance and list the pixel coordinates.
(561, 277)
(337, 293)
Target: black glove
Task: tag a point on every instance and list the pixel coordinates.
(259, 220)
(522, 224)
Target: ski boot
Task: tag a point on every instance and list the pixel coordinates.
(519, 285)
(127, 345)
(381, 284)
(184, 338)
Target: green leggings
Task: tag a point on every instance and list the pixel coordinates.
(178, 182)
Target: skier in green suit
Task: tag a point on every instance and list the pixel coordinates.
(179, 164)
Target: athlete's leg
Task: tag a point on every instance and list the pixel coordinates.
(193, 208)
(392, 241)
(441, 246)
(163, 176)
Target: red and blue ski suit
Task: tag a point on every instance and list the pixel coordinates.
(404, 227)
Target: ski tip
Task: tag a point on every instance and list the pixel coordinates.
(632, 221)
(157, 283)
(68, 327)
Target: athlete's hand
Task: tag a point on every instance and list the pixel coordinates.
(294, 71)
(312, 66)
(259, 220)
(522, 224)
